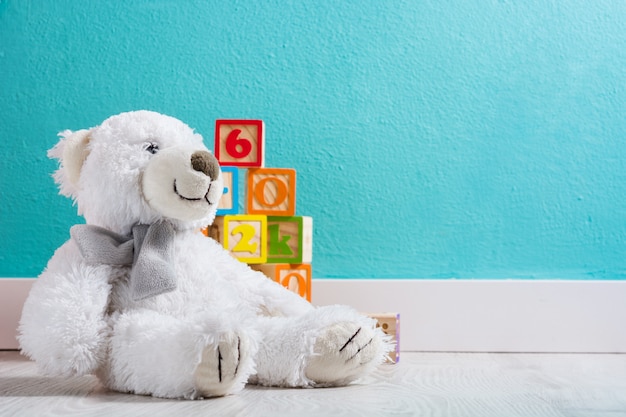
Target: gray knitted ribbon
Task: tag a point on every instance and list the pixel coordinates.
(148, 250)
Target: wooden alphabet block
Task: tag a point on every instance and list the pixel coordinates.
(216, 230)
(289, 239)
(229, 203)
(239, 143)
(244, 236)
(271, 191)
(296, 278)
(390, 325)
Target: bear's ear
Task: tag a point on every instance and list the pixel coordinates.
(71, 152)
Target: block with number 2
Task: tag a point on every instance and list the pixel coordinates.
(244, 236)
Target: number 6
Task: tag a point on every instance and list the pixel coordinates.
(237, 147)
(239, 143)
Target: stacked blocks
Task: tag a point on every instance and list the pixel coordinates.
(268, 236)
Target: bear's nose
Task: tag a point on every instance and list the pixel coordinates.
(205, 162)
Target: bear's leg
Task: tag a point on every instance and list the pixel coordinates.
(329, 346)
(63, 326)
(160, 355)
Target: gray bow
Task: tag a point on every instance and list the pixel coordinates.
(148, 249)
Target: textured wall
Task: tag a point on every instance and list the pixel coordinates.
(432, 139)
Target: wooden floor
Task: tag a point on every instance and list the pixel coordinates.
(422, 384)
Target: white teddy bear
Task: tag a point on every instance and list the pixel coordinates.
(151, 306)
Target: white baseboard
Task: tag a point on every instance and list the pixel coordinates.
(13, 292)
(493, 315)
(455, 315)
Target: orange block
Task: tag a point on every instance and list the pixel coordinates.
(296, 278)
(271, 191)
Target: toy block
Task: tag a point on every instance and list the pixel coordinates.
(244, 236)
(289, 239)
(229, 203)
(296, 278)
(271, 191)
(215, 230)
(390, 325)
(239, 143)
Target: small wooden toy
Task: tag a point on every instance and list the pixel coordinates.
(390, 325)
(229, 203)
(296, 278)
(244, 236)
(289, 239)
(215, 230)
(271, 191)
(239, 143)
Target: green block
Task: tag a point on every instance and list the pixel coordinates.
(289, 239)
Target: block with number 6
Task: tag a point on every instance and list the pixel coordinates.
(239, 143)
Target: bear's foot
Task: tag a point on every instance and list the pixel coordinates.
(343, 352)
(219, 372)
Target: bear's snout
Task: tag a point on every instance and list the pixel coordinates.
(205, 162)
(183, 183)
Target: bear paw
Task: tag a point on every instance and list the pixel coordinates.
(219, 372)
(343, 352)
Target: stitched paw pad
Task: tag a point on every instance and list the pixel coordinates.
(341, 353)
(218, 371)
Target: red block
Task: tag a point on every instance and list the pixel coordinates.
(239, 143)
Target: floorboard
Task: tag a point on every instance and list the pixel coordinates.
(422, 384)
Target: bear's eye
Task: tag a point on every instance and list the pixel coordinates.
(152, 148)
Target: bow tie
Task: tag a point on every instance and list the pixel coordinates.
(148, 249)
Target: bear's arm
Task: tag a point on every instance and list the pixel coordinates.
(272, 298)
(63, 327)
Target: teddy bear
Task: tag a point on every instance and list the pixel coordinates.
(143, 300)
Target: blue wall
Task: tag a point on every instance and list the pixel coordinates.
(432, 139)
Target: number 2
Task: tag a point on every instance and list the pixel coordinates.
(245, 244)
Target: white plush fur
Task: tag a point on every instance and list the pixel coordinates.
(225, 325)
